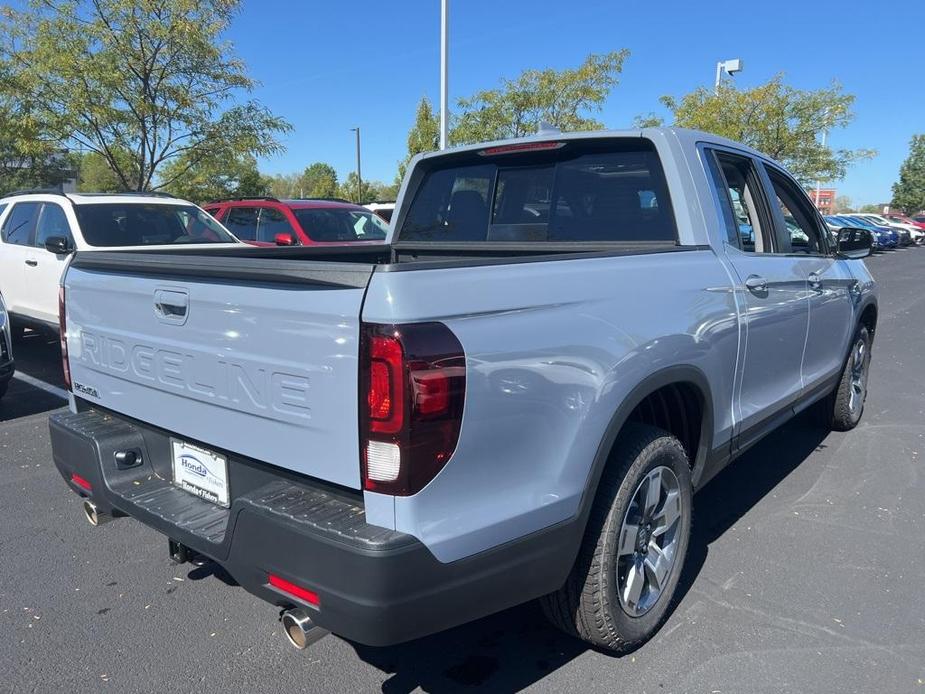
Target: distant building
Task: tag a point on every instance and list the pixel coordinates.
(824, 199)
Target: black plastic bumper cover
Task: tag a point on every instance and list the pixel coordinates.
(375, 586)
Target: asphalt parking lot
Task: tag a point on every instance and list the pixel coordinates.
(806, 572)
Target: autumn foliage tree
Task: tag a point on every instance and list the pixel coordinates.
(783, 122)
(566, 99)
(148, 77)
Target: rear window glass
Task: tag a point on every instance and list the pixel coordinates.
(109, 225)
(574, 193)
(341, 224)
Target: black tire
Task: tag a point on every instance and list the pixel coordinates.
(845, 405)
(588, 605)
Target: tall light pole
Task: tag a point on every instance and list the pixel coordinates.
(359, 175)
(818, 181)
(444, 45)
(730, 67)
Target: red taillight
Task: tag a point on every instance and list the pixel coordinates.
(414, 384)
(386, 393)
(309, 596)
(81, 482)
(62, 326)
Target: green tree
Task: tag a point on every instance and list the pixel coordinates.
(283, 185)
(369, 191)
(96, 176)
(215, 178)
(871, 208)
(28, 157)
(562, 98)
(774, 118)
(318, 181)
(424, 135)
(909, 190)
(150, 77)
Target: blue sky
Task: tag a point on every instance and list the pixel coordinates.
(330, 66)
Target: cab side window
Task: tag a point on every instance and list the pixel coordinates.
(52, 222)
(242, 222)
(741, 200)
(801, 230)
(20, 223)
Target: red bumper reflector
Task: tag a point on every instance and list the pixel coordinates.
(81, 482)
(282, 584)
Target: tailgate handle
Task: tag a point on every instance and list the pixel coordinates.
(171, 305)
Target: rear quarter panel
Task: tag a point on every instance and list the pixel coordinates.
(552, 350)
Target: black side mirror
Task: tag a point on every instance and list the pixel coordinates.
(853, 243)
(59, 245)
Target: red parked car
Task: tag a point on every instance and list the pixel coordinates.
(903, 219)
(271, 222)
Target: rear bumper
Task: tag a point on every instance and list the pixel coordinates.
(375, 586)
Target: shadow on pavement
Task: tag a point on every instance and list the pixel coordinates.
(516, 648)
(38, 357)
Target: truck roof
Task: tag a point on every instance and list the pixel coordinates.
(686, 137)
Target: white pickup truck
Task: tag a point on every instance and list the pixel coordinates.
(516, 399)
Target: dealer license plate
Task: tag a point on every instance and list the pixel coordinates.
(200, 472)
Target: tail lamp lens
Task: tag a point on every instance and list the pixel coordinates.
(62, 327)
(414, 383)
(386, 397)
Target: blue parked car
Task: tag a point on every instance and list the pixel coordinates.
(888, 237)
(839, 221)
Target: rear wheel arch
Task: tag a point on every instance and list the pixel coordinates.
(688, 379)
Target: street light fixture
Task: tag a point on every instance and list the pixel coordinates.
(359, 176)
(730, 67)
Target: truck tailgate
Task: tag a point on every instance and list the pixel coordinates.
(258, 357)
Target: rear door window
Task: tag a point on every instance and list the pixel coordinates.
(739, 189)
(20, 223)
(612, 191)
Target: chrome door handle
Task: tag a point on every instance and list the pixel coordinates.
(32, 263)
(815, 280)
(754, 283)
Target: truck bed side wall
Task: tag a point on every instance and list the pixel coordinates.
(552, 350)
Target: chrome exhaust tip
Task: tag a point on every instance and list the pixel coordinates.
(94, 516)
(300, 630)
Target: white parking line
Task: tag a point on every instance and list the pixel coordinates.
(41, 385)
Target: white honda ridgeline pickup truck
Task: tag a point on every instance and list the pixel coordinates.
(516, 399)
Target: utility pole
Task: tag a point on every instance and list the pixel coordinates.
(359, 175)
(444, 99)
